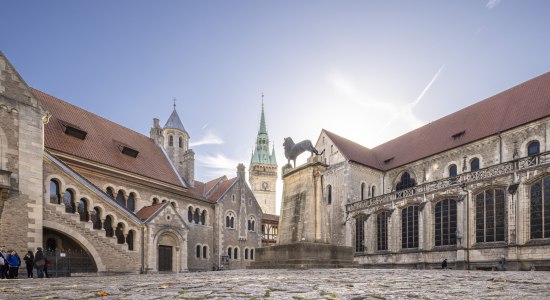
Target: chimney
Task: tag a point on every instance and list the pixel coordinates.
(240, 171)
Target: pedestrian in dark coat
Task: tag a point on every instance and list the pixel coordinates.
(39, 262)
(444, 264)
(14, 261)
(29, 263)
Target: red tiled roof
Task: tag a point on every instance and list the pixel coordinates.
(519, 105)
(147, 211)
(103, 140)
(353, 151)
(269, 217)
(221, 189)
(212, 183)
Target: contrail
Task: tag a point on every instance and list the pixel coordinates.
(413, 104)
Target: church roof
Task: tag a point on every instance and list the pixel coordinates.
(174, 121)
(260, 153)
(514, 107)
(104, 141)
(147, 211)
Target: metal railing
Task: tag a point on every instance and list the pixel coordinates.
(457, 181)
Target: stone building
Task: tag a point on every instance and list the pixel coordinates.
(73, 181)
(472, 187)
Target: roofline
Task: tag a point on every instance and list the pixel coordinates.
(155, 213)
(173, 167)
(90, 186)
(228, 188)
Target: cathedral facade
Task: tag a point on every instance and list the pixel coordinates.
(72, 181)
(472, 187)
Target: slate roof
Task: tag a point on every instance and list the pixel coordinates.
(514, 107)
(174, 121)
(104, 141)
(270, 217)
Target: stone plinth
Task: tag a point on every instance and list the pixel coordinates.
(304, 237)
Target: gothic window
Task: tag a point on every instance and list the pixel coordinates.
(108, 226)
(196, 216)
(83, 210)
(363, 191)
(181, 142)
(69, 201)
(490, 215)
(55, 197)
(229, 252)
(474, 164)
(445, 222)
(131, 202)
(119, 232)
(130, 240)
(170, 141)
(452, 173)
(360, 233)
(96, 218)
(251, 223)
(533, 148)
(246, 253)
(198, 251)
(110, 192)
(540, 209)
(120, 198)
(409, 227)
(190, 214)
(329, 194)
(405, 182)
(203, 217)
(373, 191)
(252, 254)
(382, 230)
(229, 220)
(236, 253)
(204, 252)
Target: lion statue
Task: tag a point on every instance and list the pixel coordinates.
(292, 150)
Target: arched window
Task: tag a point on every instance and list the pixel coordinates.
(196, 216)
(204, 252)
(533, 148)
(170, 141)
(203, 217)
(119, 232)
(229, 253)
(382, 230)
(252, 254)
(236, 253)
(173, 205)
(540, 209)
(131, 202)
(229, 220)
(130, 240)
(69, 201)
(373, 191)
(55, 196)
(251, 223)
(405, 182)
(190, 214)
(110, 192)
(246, 253)
(409, 227)
(83, 210)
(474, 164)
(363, 191)
(329, 194)
(120, 199)
(453, 173)
(181, 142)
(360, 233)
(108, 226)
(155, 201)
(445, 223)
(96, 218)
(490, 215)
(198, 251)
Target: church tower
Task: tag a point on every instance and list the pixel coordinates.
(263, 169)
(175, 139)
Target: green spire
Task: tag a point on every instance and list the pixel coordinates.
(262, 119)
(260, 154)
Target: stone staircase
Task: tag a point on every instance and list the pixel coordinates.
(112, 253)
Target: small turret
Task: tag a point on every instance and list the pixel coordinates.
(176, 143)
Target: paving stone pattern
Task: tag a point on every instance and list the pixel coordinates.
(287, 284)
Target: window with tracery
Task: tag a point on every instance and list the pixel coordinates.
(405, 182)
(445, 222)
(540, 209)
(409, 227)
(360, 233)
(382, 219)
(490, 216)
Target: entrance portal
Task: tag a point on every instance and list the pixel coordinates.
(165, 258)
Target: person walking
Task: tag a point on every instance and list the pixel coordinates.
(39, 262)
(444, 264)
(29, 263)
(14, 261)
(3, 262)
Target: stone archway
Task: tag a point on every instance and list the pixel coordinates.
(169, 252)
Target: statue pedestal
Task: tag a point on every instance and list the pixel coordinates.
(304, 237)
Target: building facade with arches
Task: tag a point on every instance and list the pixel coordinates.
(73, 181)
(471, 187)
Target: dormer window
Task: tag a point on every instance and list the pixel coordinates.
(458, 135)
(387, 161)
(129, 151)
(73, 130)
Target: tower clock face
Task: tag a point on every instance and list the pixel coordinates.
(265, 185)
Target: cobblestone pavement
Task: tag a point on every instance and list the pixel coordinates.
(287, 284)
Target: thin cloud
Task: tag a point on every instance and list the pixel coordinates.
(492, 4)
(217, 165)
(210, 138)
(205, 125)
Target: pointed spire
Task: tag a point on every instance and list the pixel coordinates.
(262, 119)
(174, 120)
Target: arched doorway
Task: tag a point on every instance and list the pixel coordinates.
(167, 257)
(66, 254)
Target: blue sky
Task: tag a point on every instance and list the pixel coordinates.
(367, 70)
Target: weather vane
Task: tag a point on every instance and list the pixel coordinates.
(174, 103)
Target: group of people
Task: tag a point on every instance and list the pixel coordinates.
(10, 263)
